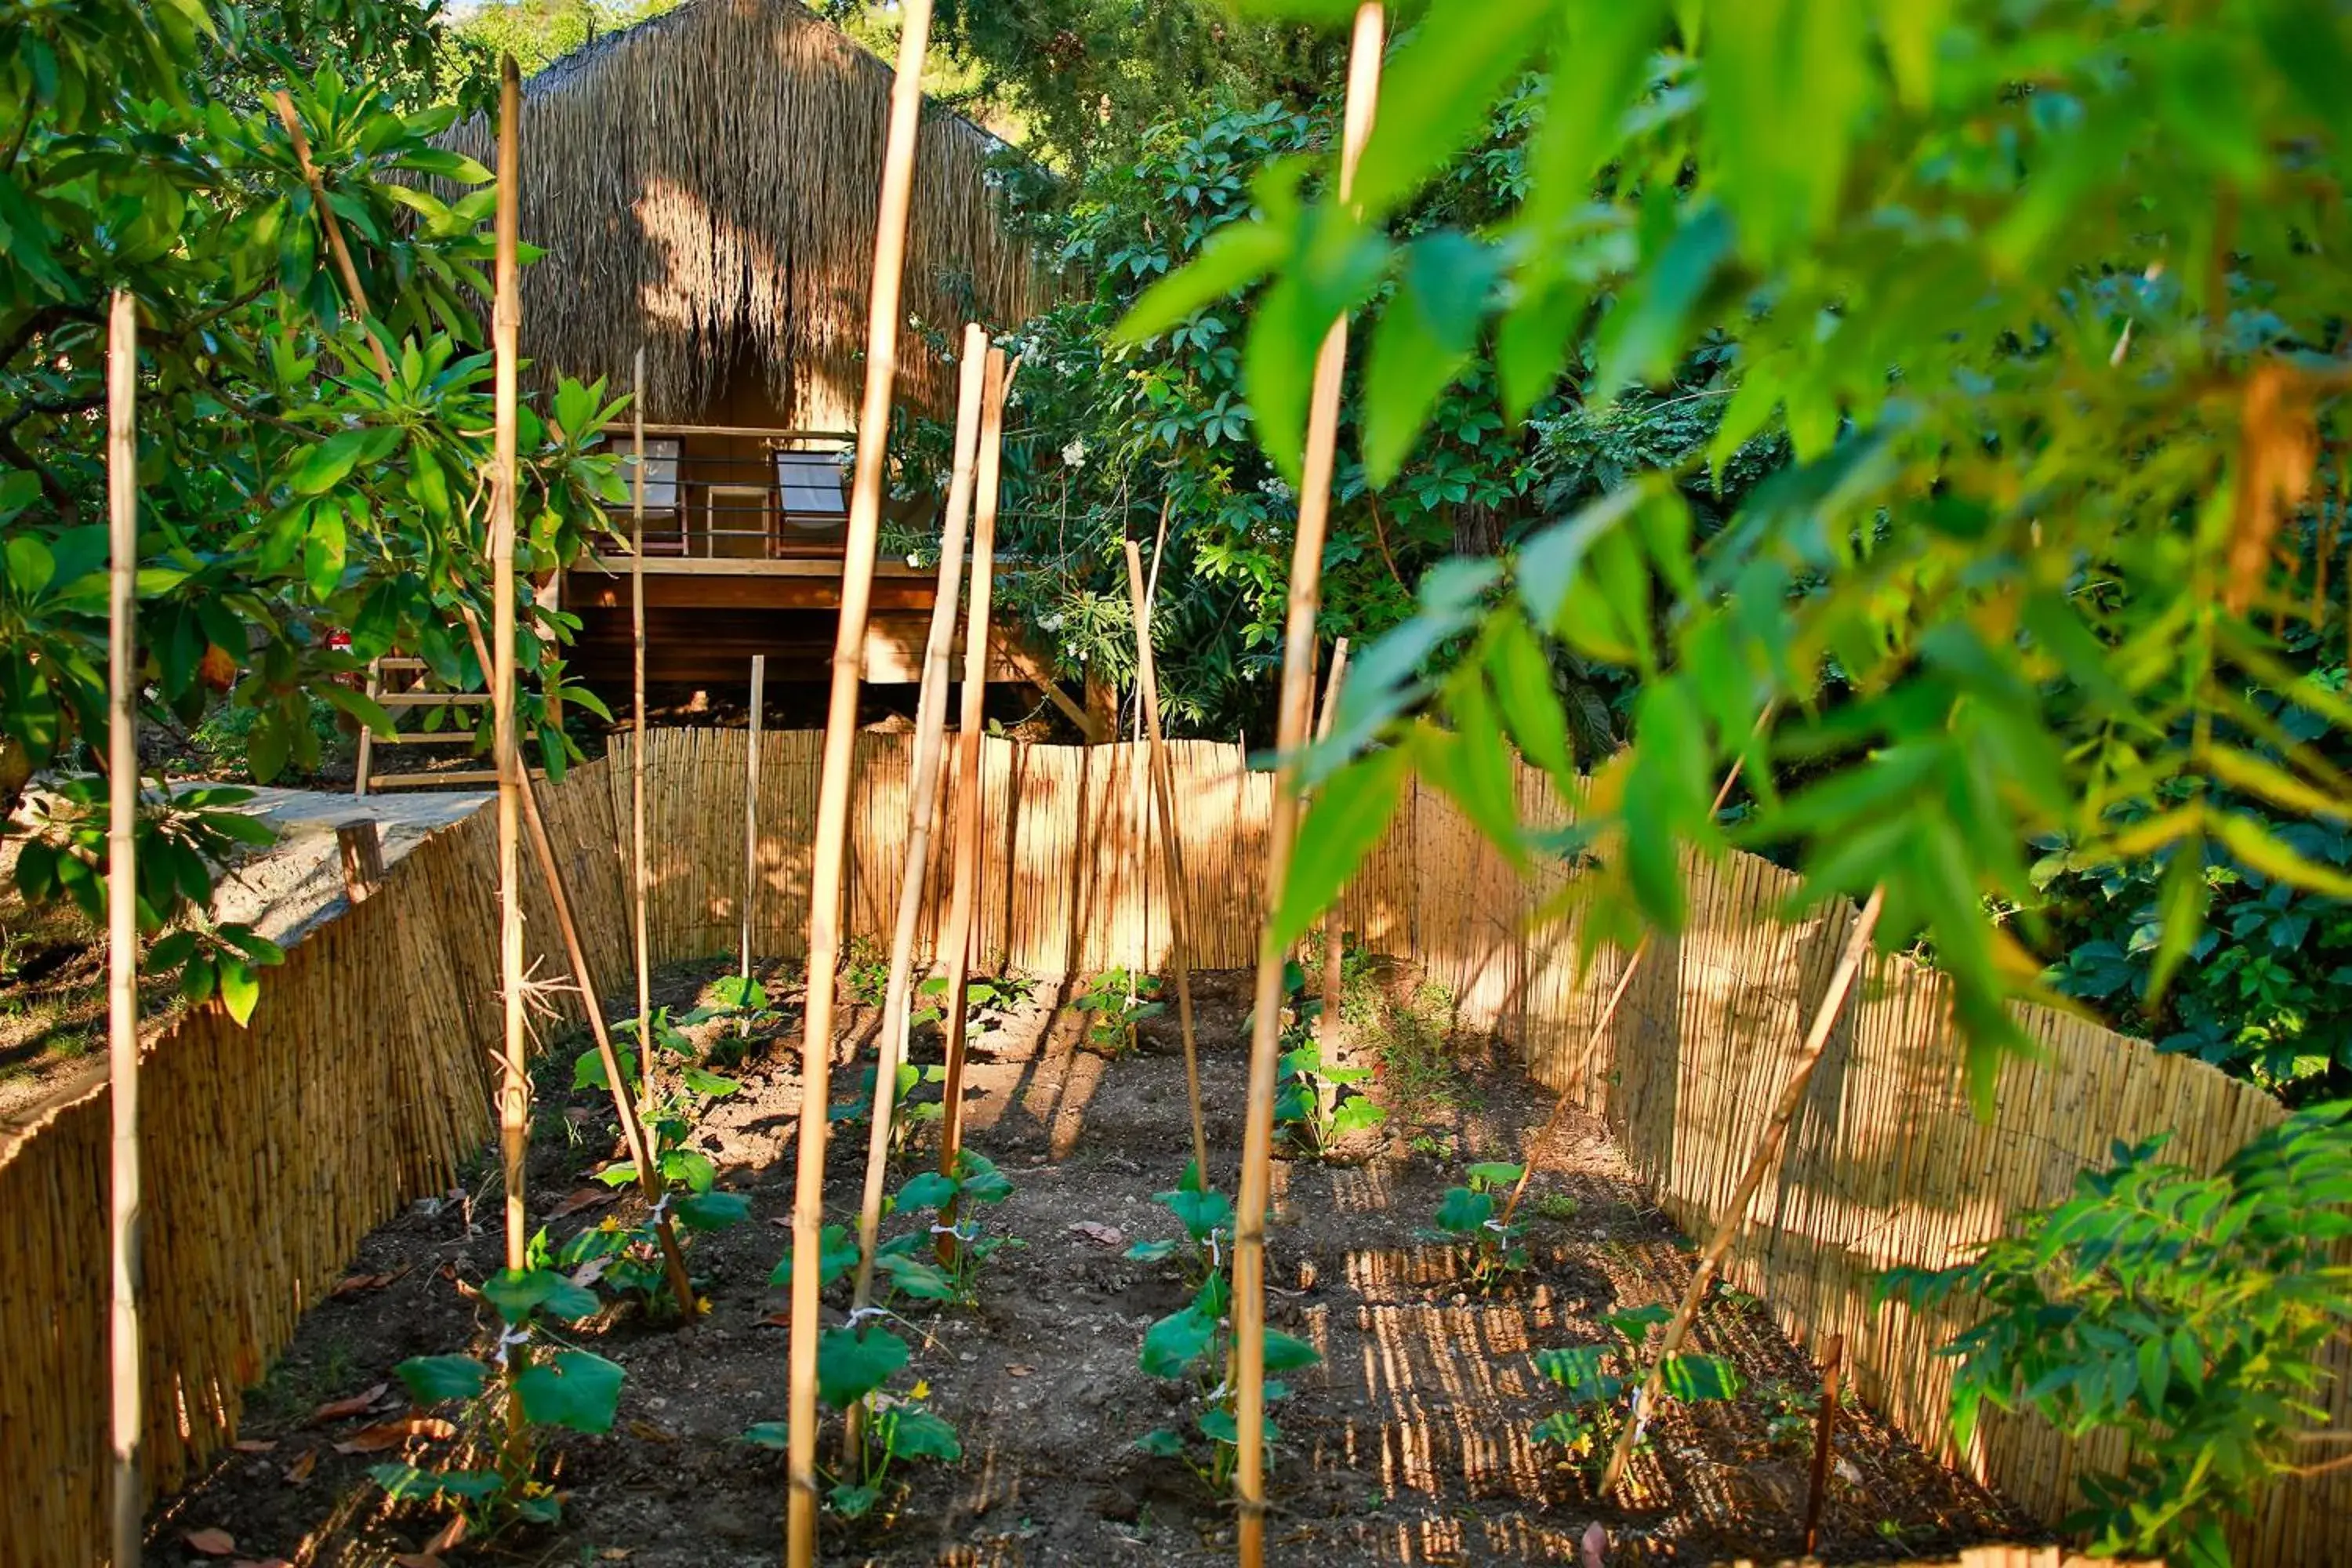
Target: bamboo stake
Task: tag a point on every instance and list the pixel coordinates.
(1616, 997)
(1179, 914)
(514, 1092)
(1832, 1356)
(834, 773)
(1328, 1025)
(638, 883)
(922, 804)
(335, 246)
(958, 942)
(1734, 1215)
(126, 1370)
(751, 824)
(1248, 1370)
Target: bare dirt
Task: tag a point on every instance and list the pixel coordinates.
(1408, 1443)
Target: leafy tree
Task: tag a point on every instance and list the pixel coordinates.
(1105, 433)
(300, 512)
(2047, 309)
(2192, 1312)
(538, 33)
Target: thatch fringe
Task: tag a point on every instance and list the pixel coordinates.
(704, 184)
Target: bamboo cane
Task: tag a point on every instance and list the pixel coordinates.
(127, 1363)
(1334, 934)
(1735, 1215)
(1179, 914)
(922, 804)
(335, 231)
(1298, 692)
(957, 944)
(514, 1092)
(638, 882)
(833, 778)
(1824, 1431)
(1616, 997)
(633, 1132)
(751, 824)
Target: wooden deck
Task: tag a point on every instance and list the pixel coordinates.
(706, 617)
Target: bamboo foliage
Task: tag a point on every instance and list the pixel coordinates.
(1884, 1163)
(704, 182)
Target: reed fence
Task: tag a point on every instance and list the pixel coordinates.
(364, 1080)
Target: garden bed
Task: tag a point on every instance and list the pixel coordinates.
(1407, 1444)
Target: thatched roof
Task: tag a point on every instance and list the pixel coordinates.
(705, 184)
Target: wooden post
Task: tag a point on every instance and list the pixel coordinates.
(1832, 1354)
(363, 767)
(1616, 998)
(126, 1361)
(834, 773)
(1179, 914)
(751, 821)
(360, 845)
(514, 1091)
(1248, 1368)
(1735, 1215)
(922, 806)
(638, 882)
(956, 945)
(1334, 934)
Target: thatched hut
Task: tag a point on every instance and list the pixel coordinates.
(704, 186)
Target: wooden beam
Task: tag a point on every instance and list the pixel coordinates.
(1031, 669)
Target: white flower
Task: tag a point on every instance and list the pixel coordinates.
(1075, 455)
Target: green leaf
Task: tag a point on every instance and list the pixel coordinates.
(430, 1379)
(240, 988)
(1173, 1343)
(1231, 258)
(329, 463)
(1355, 1115)
(919, 1277)
(927, 1190)
(1200, 1212)
(518, 1293)
(853, 1501)
(1530, 705)
(1348, 818)
(1471, 764)
(2258, 850)
(912, 1433)
(712, 1211)
(1577, 1369)
(1495, 1173)
(1436, 87)
(1603, 50)
(577, 1390)
(1695, 1377)
(1151, 1252)
(710, 1085)
(1464, 1212)
(851, 1364)
(776, 1435)
(324, 545)
(1287, 1352)
(588, 1071)
(1422, 343)
(1643, 337)
(836, 1256)
(1162, 1443)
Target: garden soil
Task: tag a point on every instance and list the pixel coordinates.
(1407, 1445)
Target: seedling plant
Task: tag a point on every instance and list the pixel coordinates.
(1207, 1217)
(986, 1001)
(1115, 1001)
(1467, 1214)
(1594, 1378)
(1316, 1105)
(573, 1390)
(627, 1259)
(853, 1366)
(1194, 1347)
